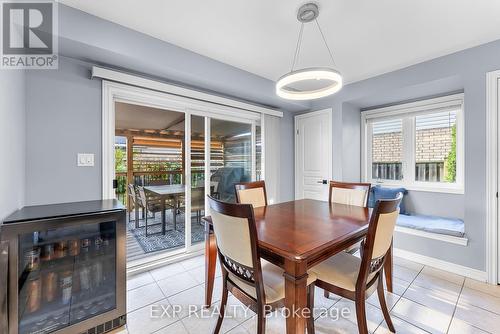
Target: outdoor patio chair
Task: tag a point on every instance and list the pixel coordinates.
(151, 205)
(133, 204)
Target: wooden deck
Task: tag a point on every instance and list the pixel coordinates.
(134, 249)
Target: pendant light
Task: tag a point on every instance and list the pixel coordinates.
(312, 82)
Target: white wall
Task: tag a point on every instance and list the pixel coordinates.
(12, 139)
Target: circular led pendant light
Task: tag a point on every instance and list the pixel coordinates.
(313, 82)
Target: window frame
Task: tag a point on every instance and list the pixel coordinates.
(407, 112)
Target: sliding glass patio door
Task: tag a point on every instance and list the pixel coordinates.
(231, 155)
(222, 153)
(166, 162)
(150, 172)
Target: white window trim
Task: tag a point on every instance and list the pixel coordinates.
(409, 109)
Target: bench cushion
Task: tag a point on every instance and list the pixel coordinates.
(449, 226)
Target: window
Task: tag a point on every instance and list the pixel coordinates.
(387, 150)
(417, 145)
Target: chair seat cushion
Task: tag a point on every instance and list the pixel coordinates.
(274, 282)
(340, 270)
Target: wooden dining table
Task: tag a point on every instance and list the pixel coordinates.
(296, 236)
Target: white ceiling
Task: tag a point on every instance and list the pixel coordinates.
(368, 37)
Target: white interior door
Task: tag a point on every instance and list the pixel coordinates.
(313, 154)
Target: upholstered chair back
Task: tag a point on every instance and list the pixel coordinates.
(379, 237)
(253, 193)
(233, 237)
(349, 193)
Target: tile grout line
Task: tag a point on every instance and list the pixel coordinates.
(455, 309)
(400, 297)
(335, 303)
(176, 321)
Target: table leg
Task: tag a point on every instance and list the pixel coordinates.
(388, 270)
(163, 221)
(210, 264)
(296, 297)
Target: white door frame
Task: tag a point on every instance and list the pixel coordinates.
(492, 169)
(113, 92)
(328, 111)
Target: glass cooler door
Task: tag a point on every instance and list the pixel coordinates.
(66, 275)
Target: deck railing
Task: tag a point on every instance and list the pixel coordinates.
(424, 171)
(149, 179)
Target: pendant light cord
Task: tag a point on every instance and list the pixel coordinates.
(297, 48)
(324, 40)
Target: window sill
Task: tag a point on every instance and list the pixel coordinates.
(425, 188)
(462, 241)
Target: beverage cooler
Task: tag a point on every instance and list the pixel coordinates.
(66, 268)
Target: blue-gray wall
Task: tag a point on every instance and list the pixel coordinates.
(463, 71)
(64, 105)
(12, 137)
(89, 38)
(63, 118)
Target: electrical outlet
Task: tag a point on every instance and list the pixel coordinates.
(85, 160)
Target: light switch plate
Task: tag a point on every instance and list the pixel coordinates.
(85, 160)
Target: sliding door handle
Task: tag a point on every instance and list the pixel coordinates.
(323, 182)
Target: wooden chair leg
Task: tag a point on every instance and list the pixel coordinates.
(388, 270)
(261, 320)
(222, 309)
(361, 315)
(383, 303)
(310, 305)
(210, 264)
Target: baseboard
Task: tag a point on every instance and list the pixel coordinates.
(441, 264)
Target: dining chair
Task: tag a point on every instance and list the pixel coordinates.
(256, 283)
(251, 193)
(349, 193)
(356, 278)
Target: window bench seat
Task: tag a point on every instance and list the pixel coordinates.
(433, 227)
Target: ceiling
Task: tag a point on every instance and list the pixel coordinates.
(367, 37)
(136, 117)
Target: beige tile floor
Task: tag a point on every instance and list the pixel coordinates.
(426, 300)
